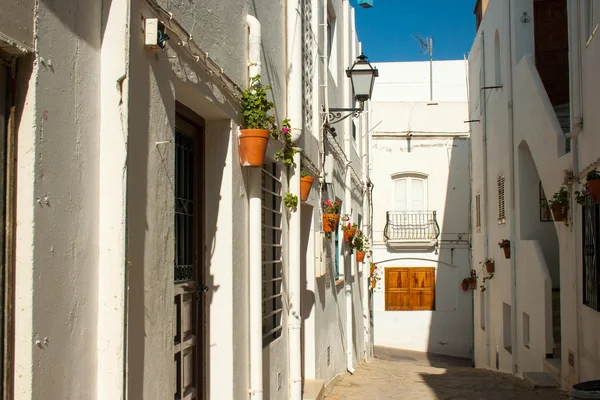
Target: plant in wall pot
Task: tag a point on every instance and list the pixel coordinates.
(483, 288)
(470, 282)
(286, 154)
(593, 184)
(374, 276)
(348, 228)
(259, 123)
(504, 244)
(559, 204)
(489, 265)
(331, 216)
(291, 201)
(306, 182)
(360, 244)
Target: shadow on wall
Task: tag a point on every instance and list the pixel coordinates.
(451, 327)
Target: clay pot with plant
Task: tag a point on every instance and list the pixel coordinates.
(331, 216)
(306, 182)
(348, 228)
(504, 244)
(593, 184)
(559, 204)
(259, 124)
(360, 245)
(489, 265)
(374, 276)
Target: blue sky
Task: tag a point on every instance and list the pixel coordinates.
(386, 29)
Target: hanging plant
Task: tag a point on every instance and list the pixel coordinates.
(489, 265)
(259, 123)
(306, 182)
(486, 280)
(331, 215)
(360, 245)
(559, 204)
(374, 276)
(287, 153)
(591, 187)
(504, 244)
(291, 201)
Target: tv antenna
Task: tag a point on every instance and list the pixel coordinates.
(427, 47)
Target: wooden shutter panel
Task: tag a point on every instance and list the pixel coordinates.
(397, 289)
(422, 289)
(409, 289)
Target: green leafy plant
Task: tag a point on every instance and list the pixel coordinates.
(581, 195)
(291, 201)
(560, 198)
(304, 174)
(331, 207)
(287, 153)
(359, 242)
(257, 108)
(485, 281)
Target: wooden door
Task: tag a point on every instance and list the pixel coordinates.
(410, 289)
(189, 260)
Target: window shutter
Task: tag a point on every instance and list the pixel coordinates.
(422, 282)
(400, 192)
(417, 194)
(501, 202)
(478, 210)
(397, 293)
(409, 289)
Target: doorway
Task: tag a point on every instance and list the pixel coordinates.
(189, 263)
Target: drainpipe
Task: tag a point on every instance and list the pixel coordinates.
(513, 233)
(366, 218)
(294, 113)
(255, 237)
(486, 247)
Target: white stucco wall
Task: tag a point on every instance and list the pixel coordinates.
(413, 137)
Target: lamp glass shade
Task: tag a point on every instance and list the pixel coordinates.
(362, 76)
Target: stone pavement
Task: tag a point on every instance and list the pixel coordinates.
(397, 374)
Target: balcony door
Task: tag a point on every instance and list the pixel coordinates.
(410, 193)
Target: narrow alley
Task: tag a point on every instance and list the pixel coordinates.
(399, 374)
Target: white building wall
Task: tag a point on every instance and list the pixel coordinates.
(413, 137)
(539, 149)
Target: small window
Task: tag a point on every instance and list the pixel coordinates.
(410, 289)
(478, 211)
(501, 202)
(410, 193)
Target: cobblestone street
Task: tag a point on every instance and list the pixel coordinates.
(395, 374)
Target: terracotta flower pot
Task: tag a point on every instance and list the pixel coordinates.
(348, 234)
(373, 284)
(360, 256)
(330, 221)
(253, 145)
(506, 251)
(473, 284)
(305, 185)
(559, 212)
(490, 267)
(594, 188)
(465, 286)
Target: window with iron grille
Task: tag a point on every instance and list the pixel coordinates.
(272, 259)
(594, 15)
(478, 211)
(545, 215)
(591, 271)
(501, 203)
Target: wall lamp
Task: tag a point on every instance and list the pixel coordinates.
(362, 75)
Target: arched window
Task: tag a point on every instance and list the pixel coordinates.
(497, 59)
(410, 192)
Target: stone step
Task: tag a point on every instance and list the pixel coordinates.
(539, 380)
(552, 368)
(314, 389)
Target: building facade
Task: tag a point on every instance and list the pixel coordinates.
(421, 175)
(142, 260)
(534, 132)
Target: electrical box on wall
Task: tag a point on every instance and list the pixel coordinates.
(155, 36)
(320, 254)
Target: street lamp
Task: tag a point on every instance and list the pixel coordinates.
(362, 75)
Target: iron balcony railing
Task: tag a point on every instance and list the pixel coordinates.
(411, 225)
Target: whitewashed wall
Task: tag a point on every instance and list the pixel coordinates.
(411, 136)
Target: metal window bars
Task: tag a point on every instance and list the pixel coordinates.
(591, 272)
(411, 225)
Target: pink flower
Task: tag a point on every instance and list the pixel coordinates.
(286, 130)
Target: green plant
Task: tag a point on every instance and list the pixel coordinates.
(593, 175)
(304, 174)
(487, 260)
(287, 153)
(483, 286)
(257, 108)
(331, 207)
(359, 242)
(581, 195)
(560, 198)
(291, 201)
